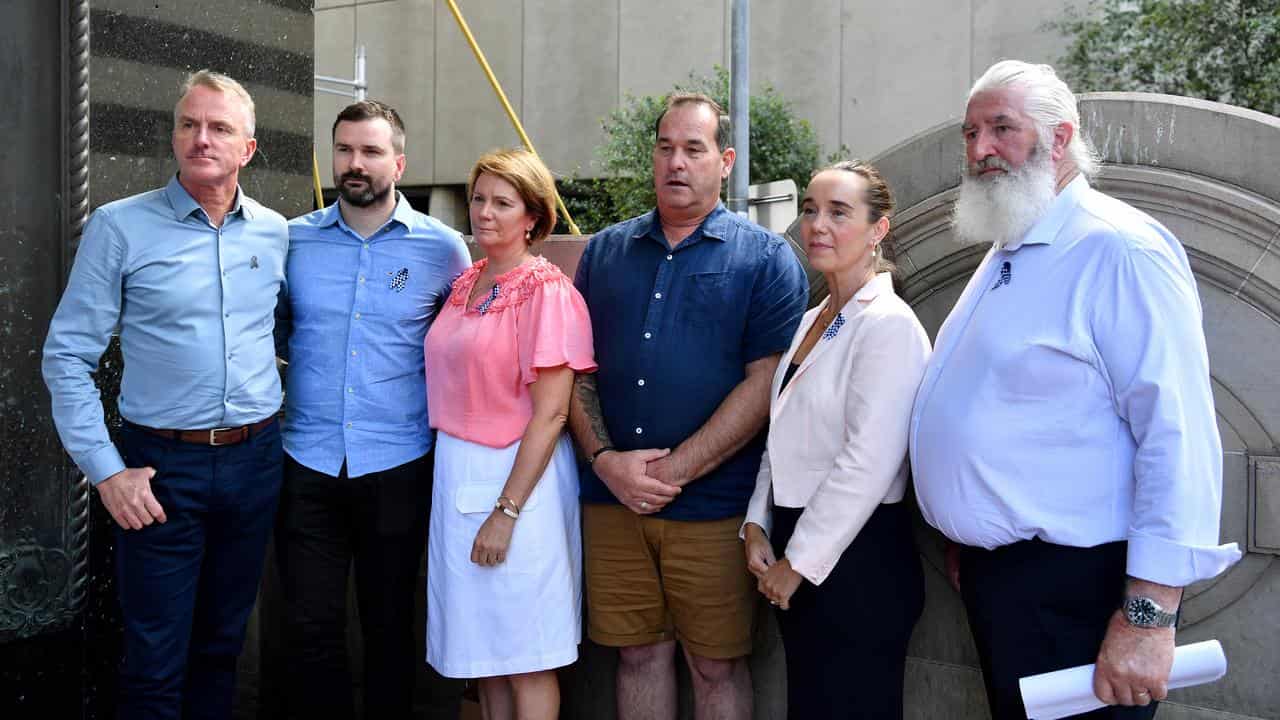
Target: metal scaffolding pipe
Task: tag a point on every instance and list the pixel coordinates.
(740, 105)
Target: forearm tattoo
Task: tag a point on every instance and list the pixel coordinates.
(584, 387)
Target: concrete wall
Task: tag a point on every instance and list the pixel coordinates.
(865, 75)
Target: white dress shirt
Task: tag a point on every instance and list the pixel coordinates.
(1068, 397)
(837, 443)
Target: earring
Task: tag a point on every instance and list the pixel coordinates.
(528, 233)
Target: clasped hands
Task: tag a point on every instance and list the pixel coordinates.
(775, 579)
(645, 481)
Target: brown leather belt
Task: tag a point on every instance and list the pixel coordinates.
(215, 437)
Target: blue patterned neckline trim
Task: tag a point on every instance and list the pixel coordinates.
(834, 328)
(483, 307)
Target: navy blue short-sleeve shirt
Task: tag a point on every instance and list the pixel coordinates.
(674, 331)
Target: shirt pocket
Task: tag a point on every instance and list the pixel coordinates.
(475, 503)
(406, 289)
(708, 300)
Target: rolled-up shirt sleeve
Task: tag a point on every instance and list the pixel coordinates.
(87, 316)
(1147, 329)
(888, 362)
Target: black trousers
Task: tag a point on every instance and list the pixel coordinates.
(1035, 607)
(846, 639)
(379, 522)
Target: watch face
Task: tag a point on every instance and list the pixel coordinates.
(1141, 611)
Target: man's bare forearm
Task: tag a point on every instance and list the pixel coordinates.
(586, 420)
(1168, 596)
(743, 413)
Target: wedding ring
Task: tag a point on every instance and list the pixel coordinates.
(1143, 692)
(644, 505)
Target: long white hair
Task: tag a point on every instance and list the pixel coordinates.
(1048, 101)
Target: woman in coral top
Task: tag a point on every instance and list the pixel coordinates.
(504, 574)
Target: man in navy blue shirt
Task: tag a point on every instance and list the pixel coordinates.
(365, 276)
(691, 308)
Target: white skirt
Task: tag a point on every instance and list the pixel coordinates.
(525, 614)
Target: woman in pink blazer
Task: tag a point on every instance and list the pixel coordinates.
(827, 534)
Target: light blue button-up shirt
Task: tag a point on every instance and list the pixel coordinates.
(356, 314)
(1068, 397)
(194, 307)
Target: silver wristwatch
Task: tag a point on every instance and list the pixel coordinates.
(1144, 612)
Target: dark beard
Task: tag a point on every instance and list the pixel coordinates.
(370, 195)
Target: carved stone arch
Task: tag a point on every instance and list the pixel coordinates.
(1207, 171)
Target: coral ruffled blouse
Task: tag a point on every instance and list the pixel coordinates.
(479, 363)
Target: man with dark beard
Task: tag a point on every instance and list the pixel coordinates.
(1064, 433)
(364, 279)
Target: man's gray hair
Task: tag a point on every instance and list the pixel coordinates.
(223, 84)
(1048, 101)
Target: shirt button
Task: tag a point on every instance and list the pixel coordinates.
(364, 245)
(639, 431)
(361, 279)
(648, 335)
(225, 273)
(668, 257)
(357, 316)
(351, 390)
(226, 314)
(640, 382)
(353, 353)
(348, 425)
(658, 295)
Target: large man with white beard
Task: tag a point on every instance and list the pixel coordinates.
(1063, 436)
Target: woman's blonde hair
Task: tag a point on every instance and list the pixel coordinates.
(531, 179)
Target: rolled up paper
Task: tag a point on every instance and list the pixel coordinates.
(1061, 693)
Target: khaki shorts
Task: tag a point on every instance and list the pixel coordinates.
(650, 580)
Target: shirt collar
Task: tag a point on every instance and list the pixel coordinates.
(403, 213)
(183, 204)
(715, 225)
(881, 284)
(1046, 228)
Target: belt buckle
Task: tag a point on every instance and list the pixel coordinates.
(213, 442)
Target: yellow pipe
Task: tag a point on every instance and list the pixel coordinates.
(511, 113)
(315, 178)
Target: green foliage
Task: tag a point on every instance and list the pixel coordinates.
(782, 146)
(1222, 50)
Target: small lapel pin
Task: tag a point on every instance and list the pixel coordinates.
(1006, 274)
(253, 262)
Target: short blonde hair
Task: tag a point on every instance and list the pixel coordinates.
(531, 179)
(223, 84)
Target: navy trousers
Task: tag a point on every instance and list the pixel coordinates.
(1035, 607)
(846, 639)
(187, 586)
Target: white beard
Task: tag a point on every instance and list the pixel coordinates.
(1003, 208)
